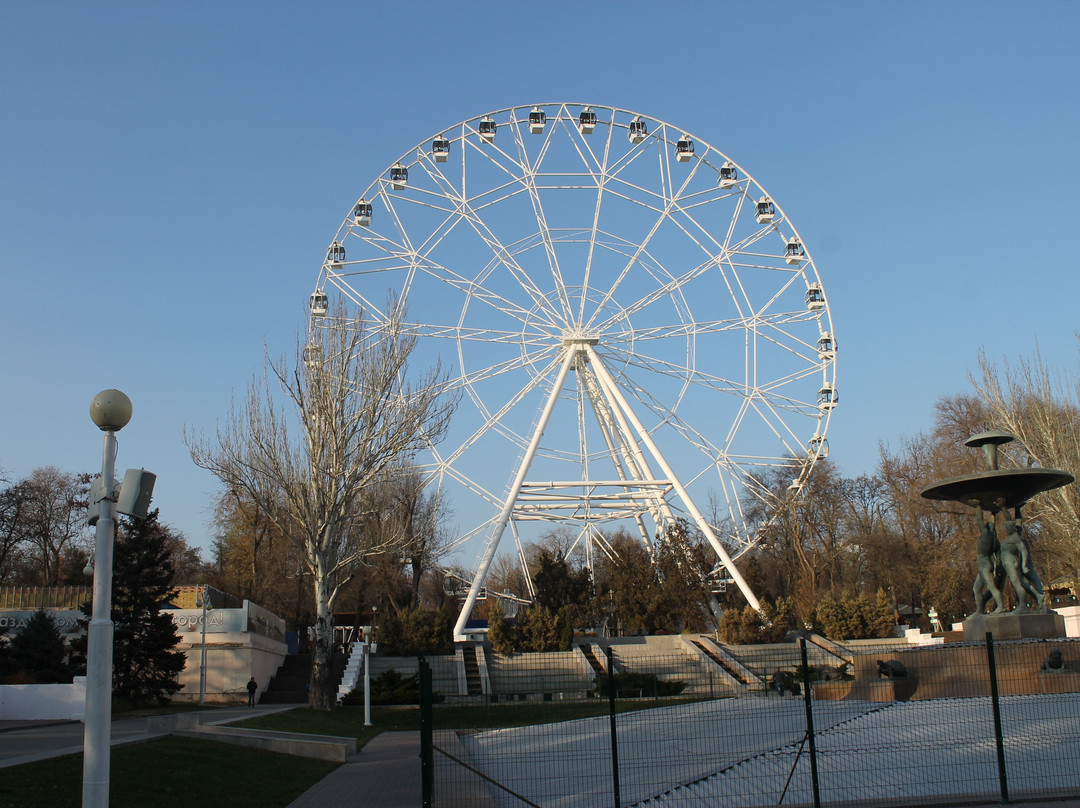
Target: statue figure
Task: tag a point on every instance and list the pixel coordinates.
(1015, 555)
(987, 575)
(891, 669)
(1054, 661)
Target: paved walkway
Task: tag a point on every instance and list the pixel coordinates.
(384, 774)
(28, 741)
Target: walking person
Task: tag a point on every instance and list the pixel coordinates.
(252, 689)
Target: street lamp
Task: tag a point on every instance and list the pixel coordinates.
(204, 591)
(370, 646)
(110, 410)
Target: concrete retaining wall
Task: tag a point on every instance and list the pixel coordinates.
(960, 670)
(44, 702)
(322, 747)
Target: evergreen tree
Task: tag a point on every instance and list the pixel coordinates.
(501, 633)
(145, 662)
(35, 655)
(564, 628)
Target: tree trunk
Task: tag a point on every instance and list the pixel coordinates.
(321, 696)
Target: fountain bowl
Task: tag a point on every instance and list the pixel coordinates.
(1001, 488)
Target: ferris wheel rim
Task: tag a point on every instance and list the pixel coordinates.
(415, 155)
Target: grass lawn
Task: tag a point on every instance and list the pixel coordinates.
(349, 721)
(169, 773)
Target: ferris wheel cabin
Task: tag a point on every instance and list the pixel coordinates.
(586, 121)
(362, 213)
(399, 177)
(486, 129)
(336, 255)
(826, 346)
(765, 211)
(728, 175)
(815, 297)
(818, 446)
(319, 303)
(684, 149)
(537, 119)
(794, 252)
(638, 131)
(828, 397)
(312, 355)
(440, 149)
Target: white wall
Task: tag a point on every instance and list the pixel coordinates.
(1072, 619)
(43, 702)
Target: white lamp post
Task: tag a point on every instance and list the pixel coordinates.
(110, 410)
(202, 663)
(367, 677)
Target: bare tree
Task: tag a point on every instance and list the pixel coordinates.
(1041, 408)
(14, 504)
(55, 513)
(423, 515)
(355, 414)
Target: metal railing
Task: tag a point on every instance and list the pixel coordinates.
(977, 721)
(26, 598)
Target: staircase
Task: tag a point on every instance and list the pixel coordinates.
(290, 684)
(590, 657)
(472, 671)
(741, 676)
(354, 669)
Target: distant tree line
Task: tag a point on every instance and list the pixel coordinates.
(847, 556)
(45, 540)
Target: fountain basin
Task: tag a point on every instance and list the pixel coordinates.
(1001, 488)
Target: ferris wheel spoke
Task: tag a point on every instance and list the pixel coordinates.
(698, 328)
(665, 290)
(529, 178)
(504, 258)
(769, 416)
(782, 339)
(471, 378)
(472, 290)
(493, 420)
(642, 247)
(483, 335)
(683, 374)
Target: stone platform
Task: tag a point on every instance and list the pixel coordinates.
(1015, 626)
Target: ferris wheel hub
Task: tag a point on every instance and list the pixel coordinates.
(580, 341)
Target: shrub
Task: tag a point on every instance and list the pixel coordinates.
(36, 655)
(390, 687)
(855, 617)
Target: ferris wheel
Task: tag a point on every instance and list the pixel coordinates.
(636, 329)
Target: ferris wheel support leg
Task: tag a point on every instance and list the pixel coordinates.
(604, 418)
(609, 416)
(511, 498)
(613, 390)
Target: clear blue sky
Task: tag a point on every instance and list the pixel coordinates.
(171, 174)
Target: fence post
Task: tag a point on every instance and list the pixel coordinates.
(807, 702)
(614, 738)
(1003, 782)
(427, 752)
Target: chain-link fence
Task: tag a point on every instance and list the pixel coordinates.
(690, 722)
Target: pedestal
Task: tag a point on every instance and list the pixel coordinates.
(1015, 626)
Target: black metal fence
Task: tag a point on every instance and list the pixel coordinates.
(695, 724)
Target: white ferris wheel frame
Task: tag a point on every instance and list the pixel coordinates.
(555, 322)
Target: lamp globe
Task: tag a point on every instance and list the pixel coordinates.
(110, 410)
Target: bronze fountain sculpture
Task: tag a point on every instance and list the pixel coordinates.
(1004, 491)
